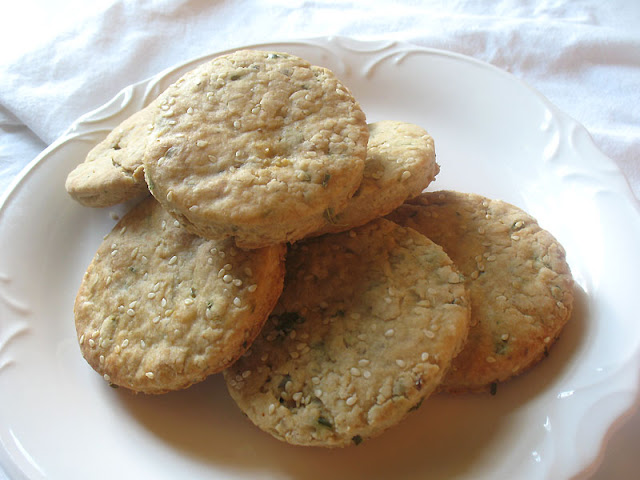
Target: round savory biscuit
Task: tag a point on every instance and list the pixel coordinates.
(520, 284)
(366, 327)
(400, 164)
(160, 309)
(112, 172)
(256, 145)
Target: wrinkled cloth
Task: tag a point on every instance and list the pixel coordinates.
(61, 59)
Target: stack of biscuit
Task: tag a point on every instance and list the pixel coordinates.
(292, 246)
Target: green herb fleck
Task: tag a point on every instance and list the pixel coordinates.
(357, 439)
(325, 180)
(417, 405)
(330, 216)
(493, 389)
(324, 422)
(288, 320)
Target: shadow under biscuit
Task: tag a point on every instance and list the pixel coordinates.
(449, 435)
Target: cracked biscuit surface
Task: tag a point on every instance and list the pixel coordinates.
(366, 327)
(257, 145)
(112, 172)
(160, 309)
(400, 164)
(520, 284)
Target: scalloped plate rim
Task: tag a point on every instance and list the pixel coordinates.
(76, 128)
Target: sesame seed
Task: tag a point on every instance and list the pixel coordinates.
(227, 278)
(389, 333)
(490, 359)
(176, 223)
(101, 359)
(424, 357)
(406, 174)
(387, 300)
(149, 375)
(272, 408)
(81, 341)
(106, 377)
(151, 295)
(297, 396)
(491, 258)
(252, 288)
(188, 301)
(355, 371)
(143, 343)
(363, 362)
(116, 349)
(505, 336)
(366, 374)
(131, 312)
(92, 342)
(515, 237)
(163, 302)
(169, 196)
(401, 363)
(352, 400)
(237, 282)
(547, 339)
(237, 302)
(315, 380)
(317, 392)
(173, 260)
(246, 373)
(428, 333)
(114, 253)
(294, 354)
(125, 342)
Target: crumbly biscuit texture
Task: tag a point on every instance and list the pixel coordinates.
(400, 164)
(520, 284)
(366, 327)
(112, 172)
(256, 145)
(159, 308)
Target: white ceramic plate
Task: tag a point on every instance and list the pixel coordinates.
(494, 136)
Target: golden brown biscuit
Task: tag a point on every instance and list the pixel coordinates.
(112, 172)
(366, 327)
(256, 145)
(520, 284)
(400, 164)
(159, 308)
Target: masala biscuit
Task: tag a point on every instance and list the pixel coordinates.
(520, 283)
(160, 309)
(112, 171)
(366, 327)
(260, 146)
(400, 164)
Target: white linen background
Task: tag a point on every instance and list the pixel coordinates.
(61, 59)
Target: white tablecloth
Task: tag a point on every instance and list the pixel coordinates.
(61, 59)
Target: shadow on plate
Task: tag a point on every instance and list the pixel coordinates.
(450, 435)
